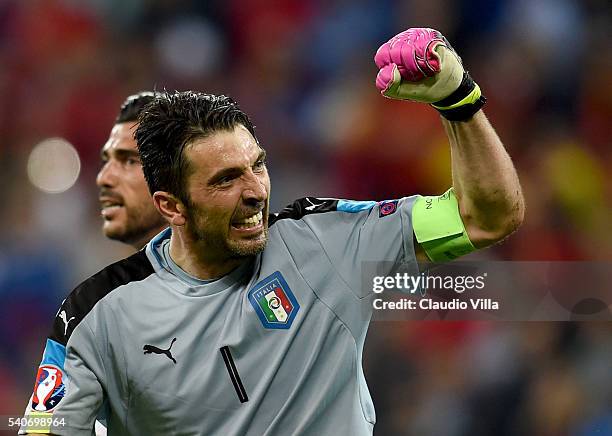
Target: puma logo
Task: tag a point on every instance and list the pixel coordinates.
(63, 316)
(312, 205)
(148, 349)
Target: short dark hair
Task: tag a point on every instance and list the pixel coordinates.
(133, 105)
(171, 122)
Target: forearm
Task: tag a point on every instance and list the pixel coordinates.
(484, 180)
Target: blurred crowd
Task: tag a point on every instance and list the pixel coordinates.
(304, 71)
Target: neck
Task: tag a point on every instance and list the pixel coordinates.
(194, 257)
(142, 241)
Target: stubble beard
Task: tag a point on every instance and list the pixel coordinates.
(241, 249)
(220, 243)
(138, 225)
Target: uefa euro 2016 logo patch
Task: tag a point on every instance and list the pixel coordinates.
(274, 302)
(49, 388)
(387, 208)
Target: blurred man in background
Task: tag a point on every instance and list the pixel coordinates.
(126, 206)
(127, 209)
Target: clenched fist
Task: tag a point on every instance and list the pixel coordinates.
(419, 64)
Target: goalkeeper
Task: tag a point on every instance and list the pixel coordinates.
(240, 322)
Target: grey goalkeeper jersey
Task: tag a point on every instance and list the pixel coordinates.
(273, 348)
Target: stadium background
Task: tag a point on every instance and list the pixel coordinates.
(304, 71)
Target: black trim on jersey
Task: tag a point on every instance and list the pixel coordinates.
(233, 373)
(85, 296)
(302, 207)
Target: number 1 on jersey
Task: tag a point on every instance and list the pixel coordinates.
(233, 373)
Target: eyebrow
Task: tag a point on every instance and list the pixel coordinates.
(233, 170)
(119, 153)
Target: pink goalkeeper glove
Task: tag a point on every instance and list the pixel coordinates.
(420, 65)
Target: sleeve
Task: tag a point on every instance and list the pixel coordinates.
(363, 238)
(67, 391)
(49, 389)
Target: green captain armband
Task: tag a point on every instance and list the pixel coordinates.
(439, 229)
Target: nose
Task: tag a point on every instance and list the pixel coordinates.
(106, 176)
(255, 191)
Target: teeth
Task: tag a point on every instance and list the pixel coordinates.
(250, 222)
(110, 204)
(105, 210)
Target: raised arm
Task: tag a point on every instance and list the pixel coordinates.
(485, 203)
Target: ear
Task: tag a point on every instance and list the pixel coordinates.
(170, 207)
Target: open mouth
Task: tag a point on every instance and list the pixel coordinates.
(250, 223)
(108, 206)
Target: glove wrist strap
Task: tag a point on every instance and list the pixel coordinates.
(463, 103)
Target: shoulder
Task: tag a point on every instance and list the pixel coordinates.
(87, 294)
(304, 206)
(313, 205)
